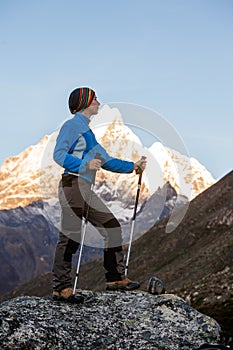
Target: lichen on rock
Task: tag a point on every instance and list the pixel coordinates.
(106, 320)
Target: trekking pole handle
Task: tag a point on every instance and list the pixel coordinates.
(139, 170)
(143, 159)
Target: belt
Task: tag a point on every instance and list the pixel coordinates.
(70, 174)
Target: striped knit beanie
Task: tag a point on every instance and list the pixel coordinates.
(80, 98)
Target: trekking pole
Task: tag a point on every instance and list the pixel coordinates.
(84, 226)
(133, 219)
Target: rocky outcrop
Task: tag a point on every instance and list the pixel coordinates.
(132, 320)
(213, 295)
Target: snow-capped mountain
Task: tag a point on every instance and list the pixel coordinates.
(33, 175)
(185, 174)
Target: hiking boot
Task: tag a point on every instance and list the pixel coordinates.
(67, 296)
(124, 284)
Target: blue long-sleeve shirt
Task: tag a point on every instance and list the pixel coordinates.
(76, 145)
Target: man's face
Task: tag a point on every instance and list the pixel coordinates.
(94, 106)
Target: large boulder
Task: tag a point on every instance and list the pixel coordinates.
(107, 320)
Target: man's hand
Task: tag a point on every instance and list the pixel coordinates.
(140, 165)
(94, 164)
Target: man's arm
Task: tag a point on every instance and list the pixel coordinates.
(66, 138)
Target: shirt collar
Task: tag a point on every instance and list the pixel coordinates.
(82, 117)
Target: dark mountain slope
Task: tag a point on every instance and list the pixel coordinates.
(27, 243)
(26, 247)
(200, 246)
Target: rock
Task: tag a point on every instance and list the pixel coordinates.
(106, 320)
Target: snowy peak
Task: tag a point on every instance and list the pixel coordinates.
(122, 143)
(185, 174)
(33, 174)
(20, 177)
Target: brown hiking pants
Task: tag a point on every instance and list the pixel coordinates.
(75, 197)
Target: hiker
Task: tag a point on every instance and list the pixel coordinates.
(76, 151)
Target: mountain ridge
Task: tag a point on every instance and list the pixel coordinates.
(33, 175)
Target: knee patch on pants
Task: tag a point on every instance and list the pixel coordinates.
(113, 223)
(71, 220)
(113, 229)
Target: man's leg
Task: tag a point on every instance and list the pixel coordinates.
(72, 204)
(67, 245)
(62, 262)
(113, 253)
(102, 218)
(114, 260)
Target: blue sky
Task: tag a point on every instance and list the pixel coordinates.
(172, 56)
